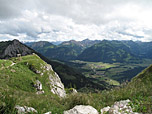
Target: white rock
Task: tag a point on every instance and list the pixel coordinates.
(38, 85)
(81, 109)
(37, 72)
(41, 74)
(25, 109)
(105, 109)
(48, 113)
(121, 107)
(48, 67)
(39, 92)
(74, 91)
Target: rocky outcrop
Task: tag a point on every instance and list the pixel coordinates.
(54, 81)
(81, 109)
(105, 109)
(121, 107)
(25, 109)
(38, 86)
(56, 85)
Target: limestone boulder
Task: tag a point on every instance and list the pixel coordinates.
(25, 109)
(121, 107)
(81, 109)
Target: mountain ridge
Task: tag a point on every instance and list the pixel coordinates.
(107, 51)
(68, 50)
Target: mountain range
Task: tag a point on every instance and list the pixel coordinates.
(95, 51)
(65, 51)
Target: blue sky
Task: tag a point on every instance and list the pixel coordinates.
(62, 20)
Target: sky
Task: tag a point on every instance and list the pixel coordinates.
(63, 20)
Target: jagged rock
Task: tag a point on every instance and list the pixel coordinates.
(48, 113)
(121, 107)
(56, 85)
(48, 67)
(38, 85)
(81, 109)
(25, 109)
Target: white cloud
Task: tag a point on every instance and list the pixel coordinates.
(60, 20)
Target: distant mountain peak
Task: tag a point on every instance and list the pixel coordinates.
(15, 41)
(86, 39)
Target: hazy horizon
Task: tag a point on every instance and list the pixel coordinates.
(59, 42)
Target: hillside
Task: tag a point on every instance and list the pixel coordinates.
(140, 49)
(145, 76)
(69, 76)
(41, 46)
(18, 75)
(22, 73)
(107, 51)
(26, 79)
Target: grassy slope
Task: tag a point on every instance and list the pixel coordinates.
(22, 74)
(17, 82)
(15, 85)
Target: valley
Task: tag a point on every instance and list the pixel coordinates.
(32, 81)
(111, 62)
(114, 74)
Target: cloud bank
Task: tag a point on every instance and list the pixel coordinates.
(61, 20)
